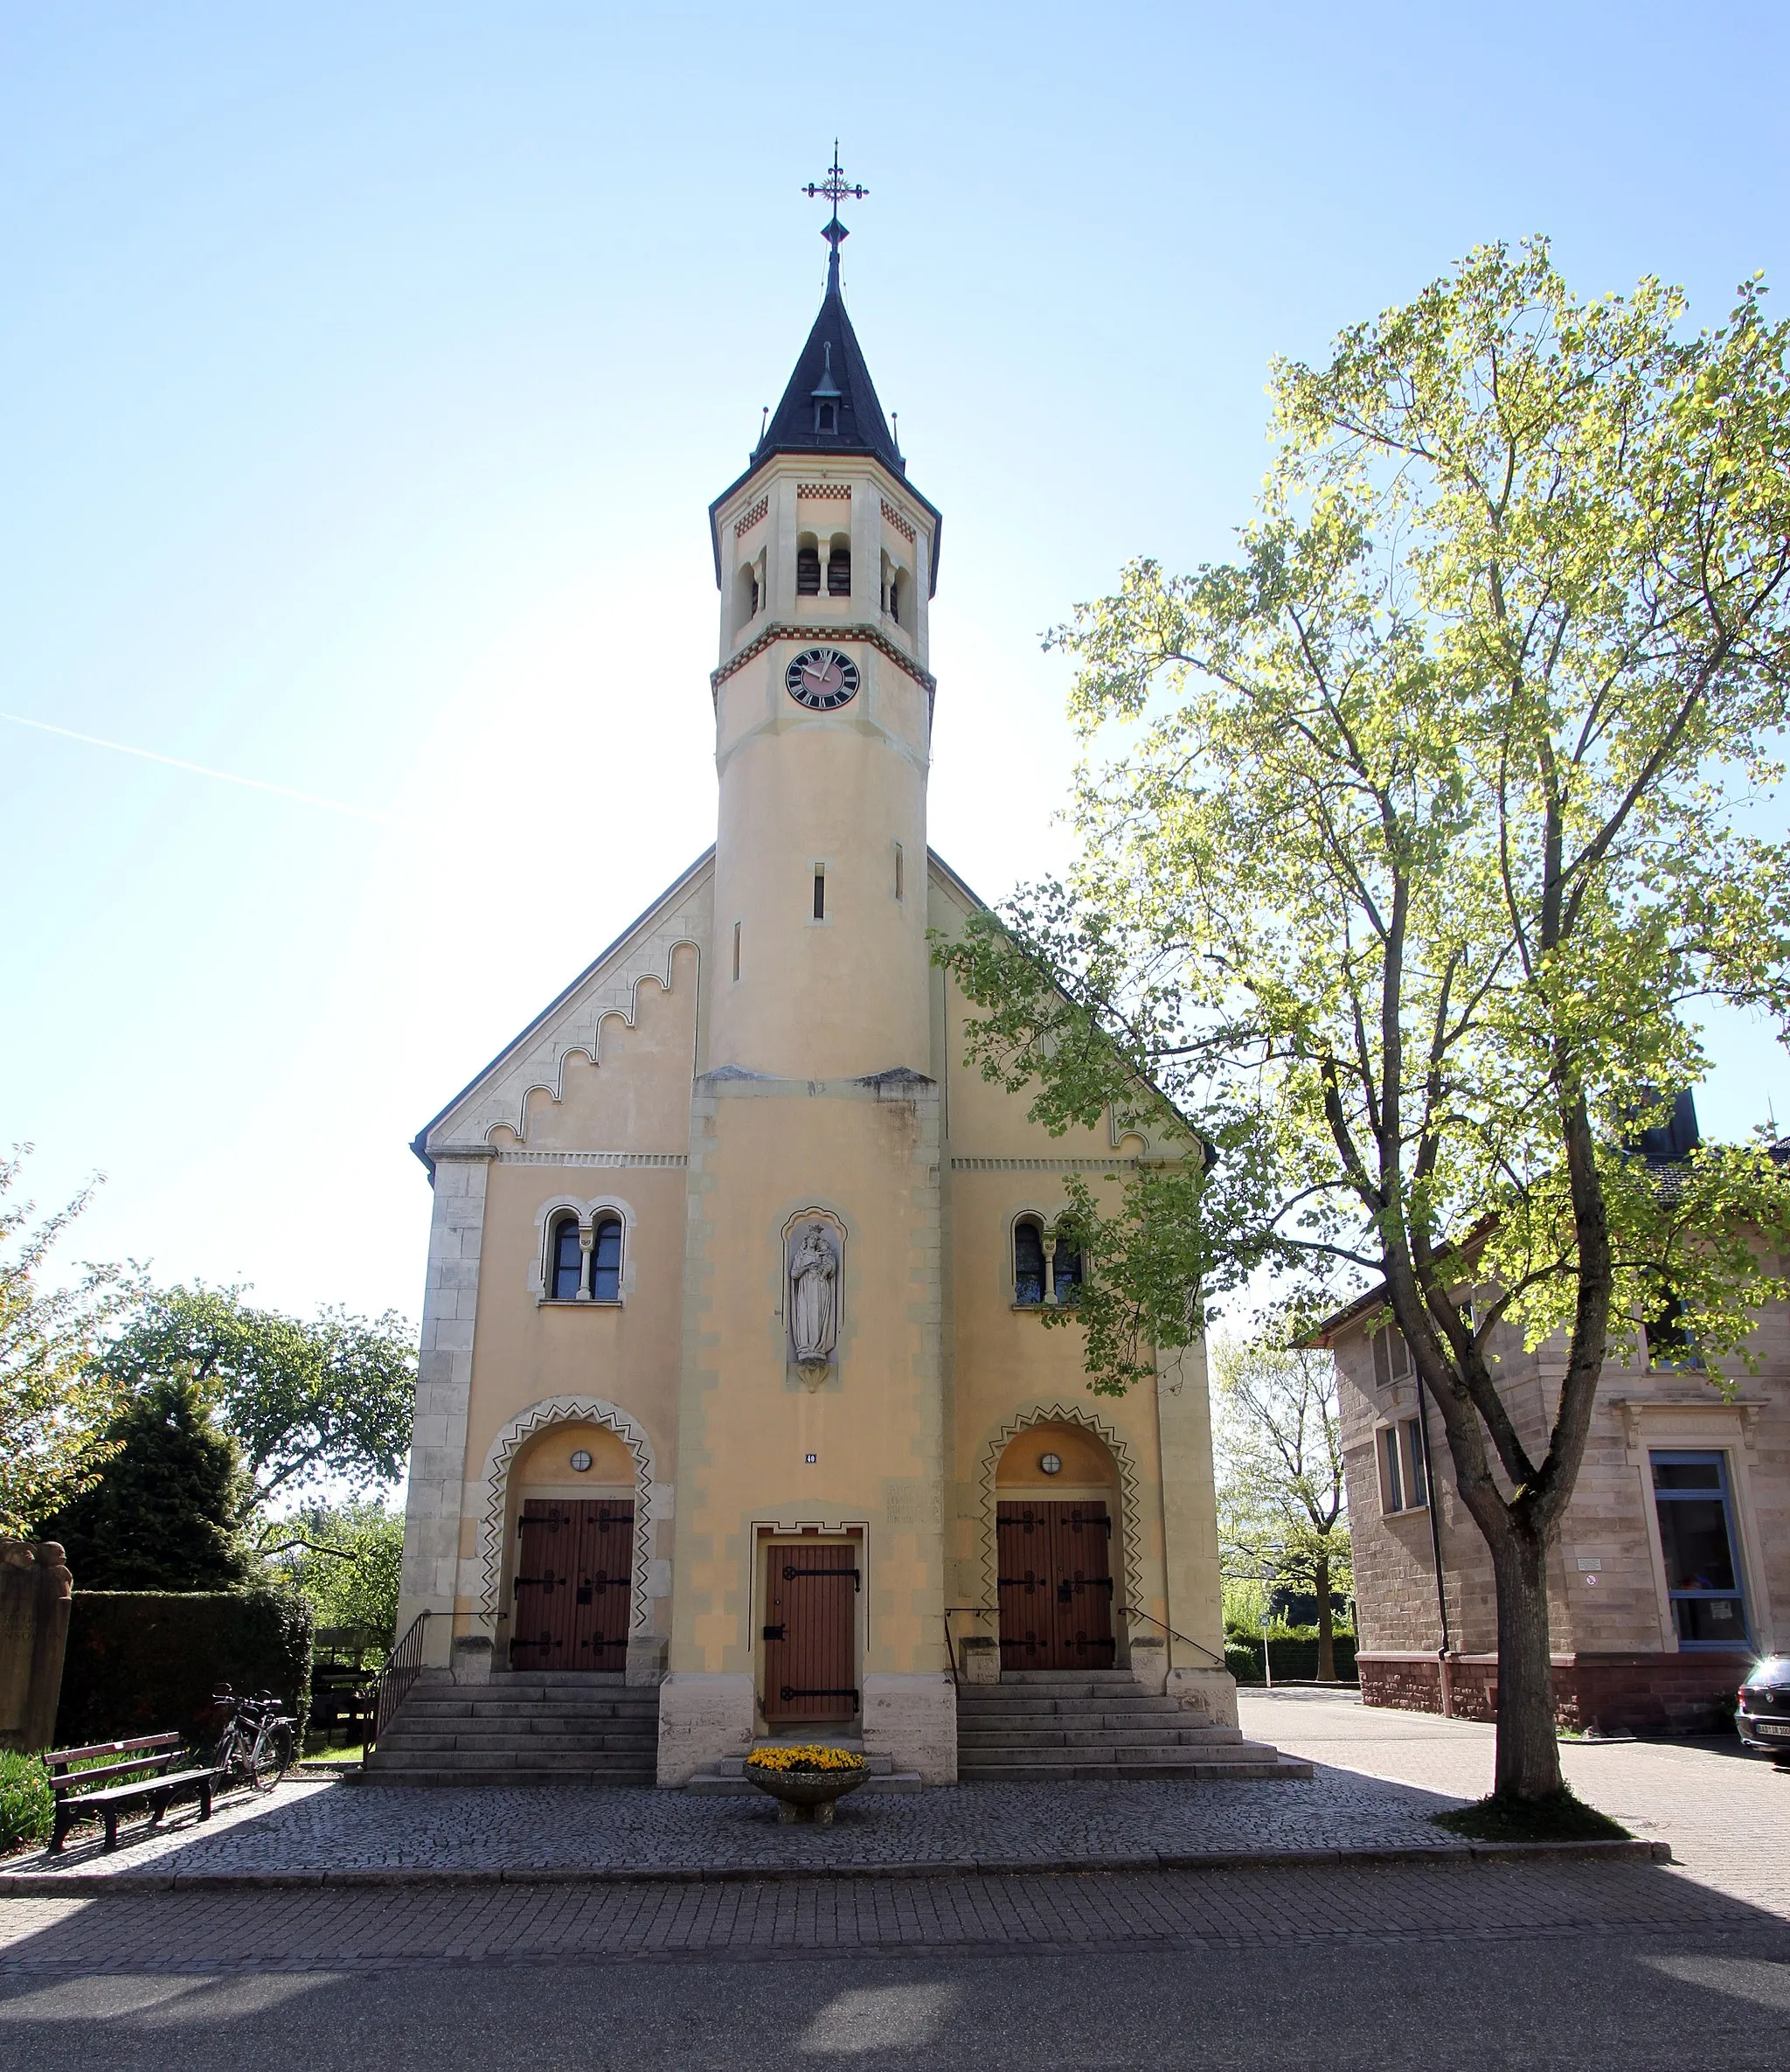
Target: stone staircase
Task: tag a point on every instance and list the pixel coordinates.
(726, 1777)
(525, 1727)
(1052, 1724)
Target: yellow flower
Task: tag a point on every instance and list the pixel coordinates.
(803, 1755)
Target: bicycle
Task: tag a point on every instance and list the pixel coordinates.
(259, 1740)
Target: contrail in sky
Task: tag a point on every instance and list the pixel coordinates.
(200, 769)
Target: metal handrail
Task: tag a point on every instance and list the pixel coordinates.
(1128, 1611)
(403, 1666)
(982, 1611)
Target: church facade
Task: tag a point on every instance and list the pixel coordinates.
(734, 1380)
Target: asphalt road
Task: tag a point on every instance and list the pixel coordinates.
(1607, 2000)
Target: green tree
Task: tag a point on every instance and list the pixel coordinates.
(55, 1399)
(167, 1511)
(1437, 833)
(327, 1399)
(1282, 1504)
(343, 1560)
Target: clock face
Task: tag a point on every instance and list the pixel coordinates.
(822, 679)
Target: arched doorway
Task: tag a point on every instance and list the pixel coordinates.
(571, 1496)
(1056, 1506)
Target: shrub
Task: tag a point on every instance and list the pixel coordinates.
(1294, 1654)
(147, 1661)
(26, 1807)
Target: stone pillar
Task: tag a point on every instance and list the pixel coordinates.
(35, 1590)
(1197, 1677)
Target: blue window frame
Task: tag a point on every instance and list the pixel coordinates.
(567, 1260)
(606, 1261)
(1701, 1548)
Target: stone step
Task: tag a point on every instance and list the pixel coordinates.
(1097, 1737)
(1199, 1770)
(1066, 1680)
(521, 1745)
(494, 1762)
(634, 1774)
(1069, 1709)
(880, 1782)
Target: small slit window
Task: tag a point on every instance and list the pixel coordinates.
(736, 950)
(820, 908)
(900, 887)
(606, 1261)
(568, 1260)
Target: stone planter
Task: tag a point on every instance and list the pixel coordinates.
(806, 1794)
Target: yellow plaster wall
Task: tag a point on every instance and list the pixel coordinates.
(747, 1419)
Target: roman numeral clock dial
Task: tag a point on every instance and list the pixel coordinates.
(822, 679)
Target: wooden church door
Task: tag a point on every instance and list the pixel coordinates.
(1056, 1585)
(573, 1584)
(811, 1634)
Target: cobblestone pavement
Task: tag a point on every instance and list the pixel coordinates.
(1038, 1913)
(1726, 1814)
(309, 1829)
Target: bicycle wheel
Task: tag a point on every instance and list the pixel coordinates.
(273, 1755)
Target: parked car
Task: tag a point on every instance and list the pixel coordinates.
(1764, 1715)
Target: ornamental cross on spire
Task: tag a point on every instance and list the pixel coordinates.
(835, 187)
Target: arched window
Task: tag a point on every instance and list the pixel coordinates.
(568, 1260)
(1066, 1270)
(839, 566)
(606, 1261)
(1029, 1260)
(807, 566)
(746, 607)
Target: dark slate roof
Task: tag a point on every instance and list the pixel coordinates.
(832, 348)
(862, 426)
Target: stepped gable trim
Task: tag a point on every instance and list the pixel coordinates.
(870, 635)
(1130, 1563)
(539, 1417)
(535, 1058)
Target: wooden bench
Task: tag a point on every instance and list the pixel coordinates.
(78, 1799)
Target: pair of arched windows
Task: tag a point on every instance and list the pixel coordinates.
(838, 565)
(1046, 1266)
(579, 1274)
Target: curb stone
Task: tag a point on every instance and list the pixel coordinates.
(134, 1884)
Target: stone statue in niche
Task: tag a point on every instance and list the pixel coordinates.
(814, 1300)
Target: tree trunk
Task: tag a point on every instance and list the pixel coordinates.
(1327, 1637)
(1528, 1755)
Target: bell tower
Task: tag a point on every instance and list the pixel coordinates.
(826, 557)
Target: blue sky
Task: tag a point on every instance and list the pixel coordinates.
(367, 371)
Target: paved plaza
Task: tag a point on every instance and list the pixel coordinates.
(1447, 1958)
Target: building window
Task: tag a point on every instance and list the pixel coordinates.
(807, 566)
(826, 417)
(900, 886)
(820, 892)
(1064, 1263)
(839, 568)
(736, 950)
(1028, 1262)
(1698, 1545)
(1391, 1357)
(606, 1261)
(1404, 1486)
(568, 1260)
(1671, 1344)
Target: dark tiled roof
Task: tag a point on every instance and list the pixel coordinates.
(832, 350)
(863, 428)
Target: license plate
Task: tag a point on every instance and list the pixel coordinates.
(1779, 1730)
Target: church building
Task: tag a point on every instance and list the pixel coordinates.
(735, 1392)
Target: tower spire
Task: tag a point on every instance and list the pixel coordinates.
(835, 187)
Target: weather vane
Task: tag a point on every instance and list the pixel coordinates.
(835, 187)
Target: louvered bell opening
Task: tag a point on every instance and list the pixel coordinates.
(808, 572)
(839, 573)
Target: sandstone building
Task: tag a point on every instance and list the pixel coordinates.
(734, 1382)
(1672, 1569)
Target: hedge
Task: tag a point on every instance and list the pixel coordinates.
(147, 1661)
(1295, 1656)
